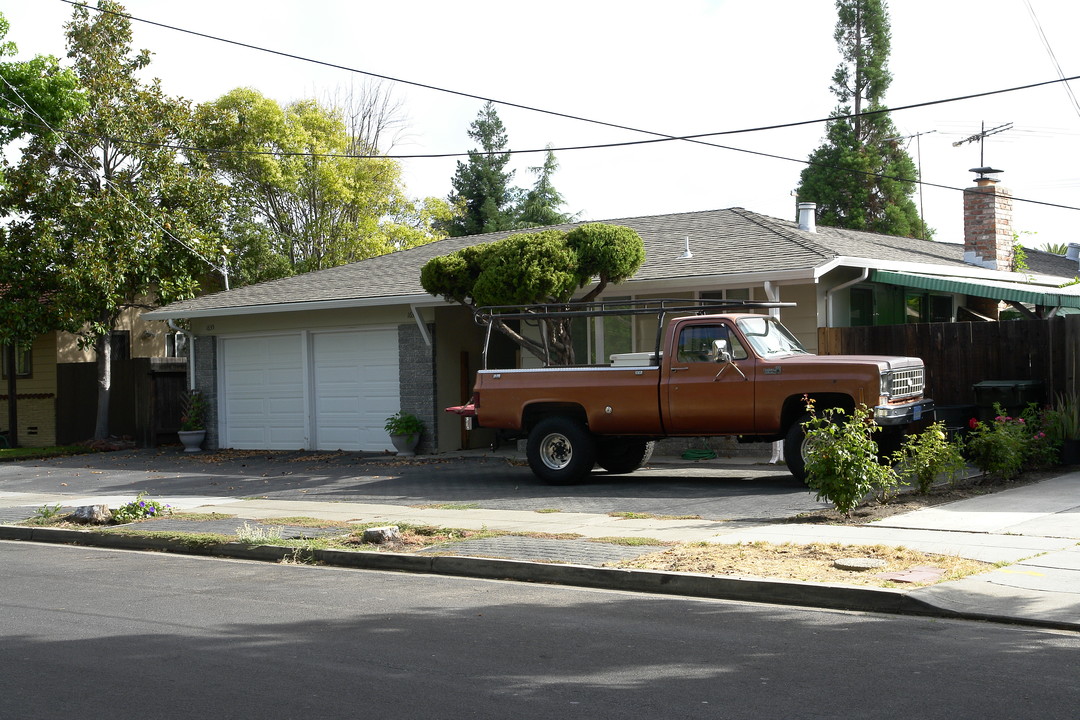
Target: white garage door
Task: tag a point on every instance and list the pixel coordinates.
(269, 400)
(356, 388)
(264, 392)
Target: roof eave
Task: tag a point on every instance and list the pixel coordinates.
(417, 300)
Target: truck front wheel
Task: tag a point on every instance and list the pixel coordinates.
(623, 455)
(560, 451)
(795, 448)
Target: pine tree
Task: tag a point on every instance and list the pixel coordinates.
(861, 177)
(541, 205)
(482, 189)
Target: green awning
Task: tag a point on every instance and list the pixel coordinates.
(1045, 295)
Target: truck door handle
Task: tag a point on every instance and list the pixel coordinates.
(675, 369)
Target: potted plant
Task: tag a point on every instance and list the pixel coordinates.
(405, 430)
(193, 422)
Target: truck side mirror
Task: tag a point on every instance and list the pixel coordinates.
(720, 351)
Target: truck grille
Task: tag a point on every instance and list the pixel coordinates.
(906, 383)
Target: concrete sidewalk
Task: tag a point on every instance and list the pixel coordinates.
(1033, 531)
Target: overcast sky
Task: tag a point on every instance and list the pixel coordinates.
(681, 67)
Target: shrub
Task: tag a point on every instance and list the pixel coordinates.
(1006, 445)
(925, 457)
(842, 458)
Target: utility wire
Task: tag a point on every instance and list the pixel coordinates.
(1053, 56)
(658, 137)
(662, 137)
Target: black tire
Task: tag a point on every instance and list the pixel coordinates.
(795, 448)
(623, 455)
(560, 451)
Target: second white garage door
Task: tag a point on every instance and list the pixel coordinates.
(356, 388)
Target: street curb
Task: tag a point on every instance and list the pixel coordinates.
(716, 587)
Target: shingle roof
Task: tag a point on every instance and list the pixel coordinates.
(733, 241)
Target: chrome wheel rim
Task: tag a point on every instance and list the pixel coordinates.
(556, 451)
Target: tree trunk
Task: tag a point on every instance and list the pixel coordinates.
(104, 377)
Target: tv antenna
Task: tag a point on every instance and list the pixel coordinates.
(981, 137)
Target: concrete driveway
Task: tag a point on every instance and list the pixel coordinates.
(716, 490)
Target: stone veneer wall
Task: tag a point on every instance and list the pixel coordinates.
(417, 382)
(206, 361)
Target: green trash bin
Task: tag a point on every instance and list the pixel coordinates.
(1013, 395)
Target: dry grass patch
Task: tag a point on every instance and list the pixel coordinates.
(808, 563)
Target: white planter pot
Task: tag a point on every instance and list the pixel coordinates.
(192, 439)
(405, 444)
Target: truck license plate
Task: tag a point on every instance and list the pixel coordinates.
(918, 413)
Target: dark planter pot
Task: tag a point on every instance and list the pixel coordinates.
(1070, 452)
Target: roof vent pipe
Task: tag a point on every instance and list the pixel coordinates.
(806, 216)
(1073, 253)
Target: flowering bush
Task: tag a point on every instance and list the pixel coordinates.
(1006, 445)
(139, 509)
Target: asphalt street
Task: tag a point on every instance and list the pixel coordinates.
(89, 632)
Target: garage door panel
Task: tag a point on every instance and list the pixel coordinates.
(264, 393)
(356, 388)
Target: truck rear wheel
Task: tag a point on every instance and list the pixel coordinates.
(623, 455)
(795, 448)
(560, 451)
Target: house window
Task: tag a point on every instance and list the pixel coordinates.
(24, 362)
(924, 307)
(175, 345)
(596, 339)
(120, 341)
(728, 294)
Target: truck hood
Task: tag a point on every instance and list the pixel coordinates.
(884, 362)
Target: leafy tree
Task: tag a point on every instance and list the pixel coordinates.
(35, 96)
(298, 203)
(541, 204)
(482, 189)
(543, 267)
(107, 209)
(853, 175)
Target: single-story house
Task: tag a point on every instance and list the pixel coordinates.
(319, 361)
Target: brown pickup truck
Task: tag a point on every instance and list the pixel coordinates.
(722, 373)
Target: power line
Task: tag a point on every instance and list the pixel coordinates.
(661, 137)
(658, 137)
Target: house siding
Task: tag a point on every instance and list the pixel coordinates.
(35, 396)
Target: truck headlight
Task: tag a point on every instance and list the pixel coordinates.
(886, 383)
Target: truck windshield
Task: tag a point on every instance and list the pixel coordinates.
(769, 338)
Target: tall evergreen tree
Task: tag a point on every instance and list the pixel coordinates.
(541, 204)
(861, 177)
(482, 190)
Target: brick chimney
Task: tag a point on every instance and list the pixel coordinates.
(988, 231)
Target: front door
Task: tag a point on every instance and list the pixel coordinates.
(706, 393)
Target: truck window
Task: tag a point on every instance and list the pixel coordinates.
(769, 337)
(697, 343)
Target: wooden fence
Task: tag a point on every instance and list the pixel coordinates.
(145, 404)
(959, 355)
